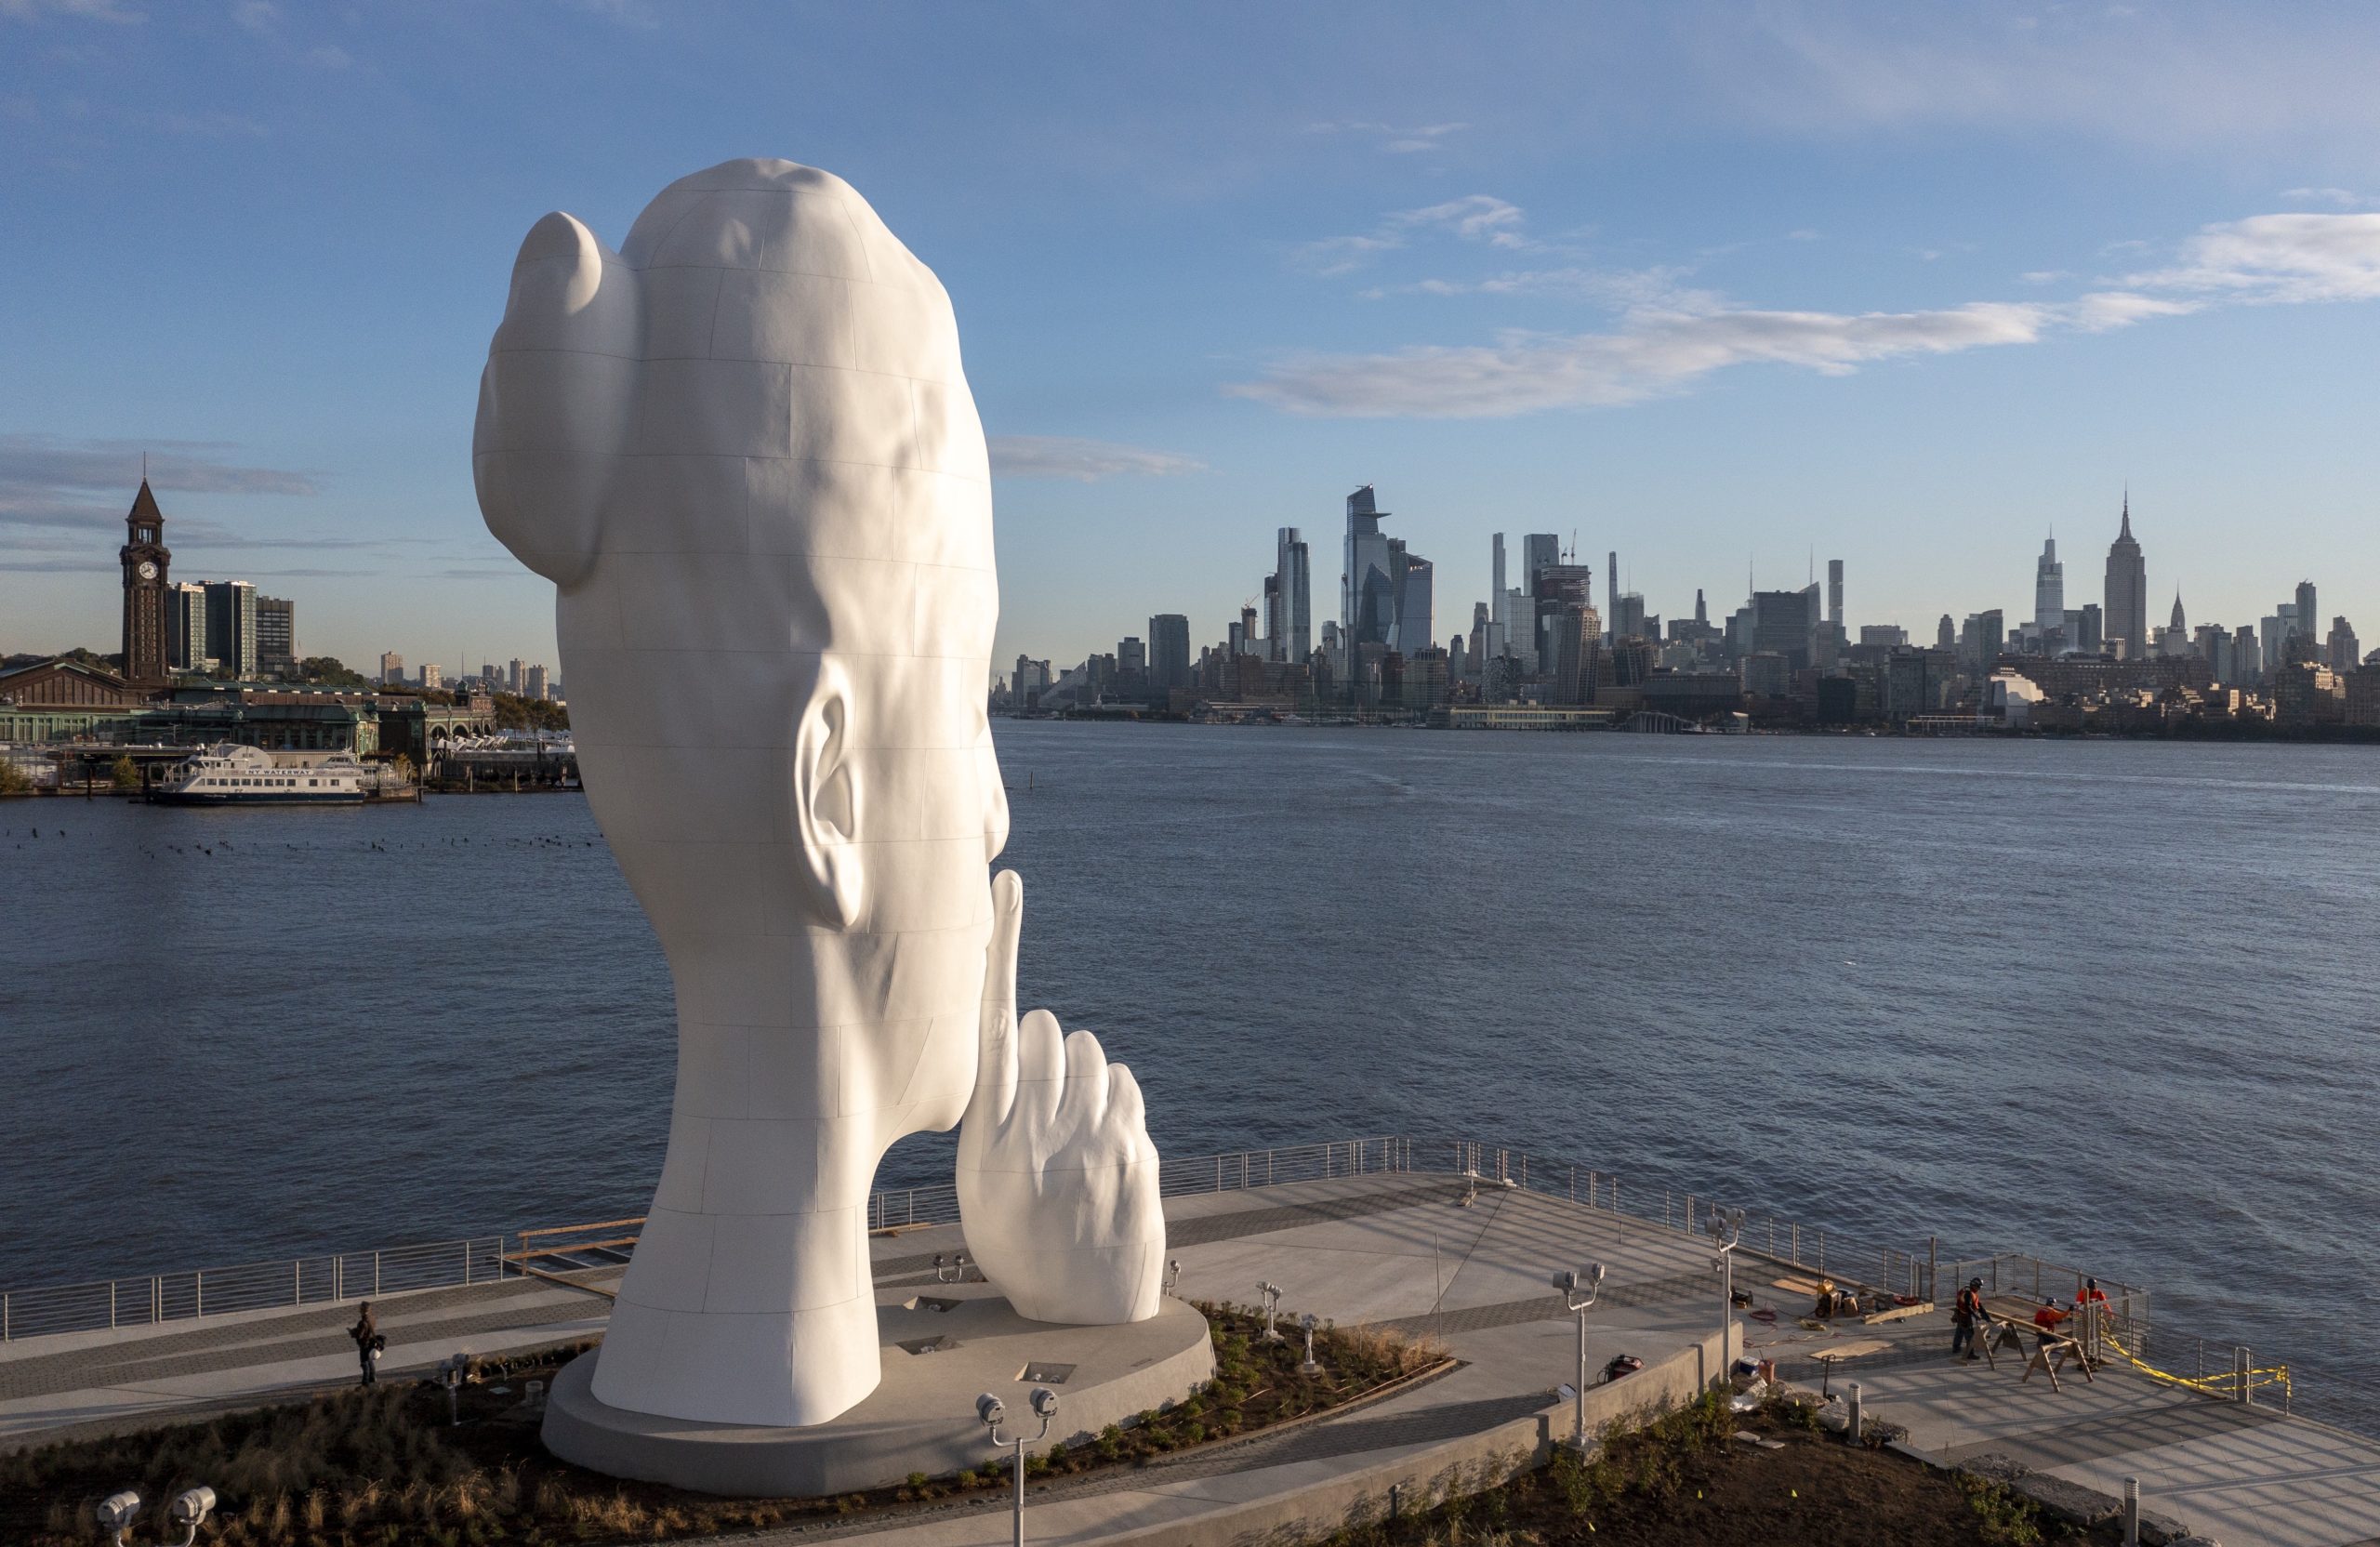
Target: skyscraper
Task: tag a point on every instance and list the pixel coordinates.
(2049, 599)
(1495, 581)
(1414, 579)
(392, 667)
(1833, 594)
(2177, 631)
(2308, 616)
(1782, 625)
(1169, 654)
(276, 634)
(2125, 619)
(1293, 578)
(1611, 583)
(186, 627)
(1539, 552)
(1367, 596)
(232, 628)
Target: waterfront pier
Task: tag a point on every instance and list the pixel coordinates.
(1452, 1241)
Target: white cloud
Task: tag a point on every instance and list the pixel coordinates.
(329, 57)
(256, 16)
(1083, 461)
(1650, 354)
(1668, 338)
(1472, 217)
(50, 481)
(2338, 196)
(1396, 141)
(86, 10)
(2279, 258)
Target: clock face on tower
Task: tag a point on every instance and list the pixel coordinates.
(148, 570)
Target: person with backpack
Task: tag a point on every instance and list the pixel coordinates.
(368, 1343)
(1966, 1318)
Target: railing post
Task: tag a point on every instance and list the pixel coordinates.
(110, 1304)
(202, 1293)
(375, 1275)
(1933, 1268)
(296, 1281)
(1822, 1251)
(6, 1332)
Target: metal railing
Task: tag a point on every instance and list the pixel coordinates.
(323, 1279)
(2210, 1366)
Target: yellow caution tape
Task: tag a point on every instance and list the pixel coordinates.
(2225, 1385)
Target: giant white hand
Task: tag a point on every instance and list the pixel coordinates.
(1057, 1178)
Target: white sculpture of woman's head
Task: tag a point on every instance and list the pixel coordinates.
(742, 449)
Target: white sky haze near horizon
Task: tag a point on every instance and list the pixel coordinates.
(1723, 288)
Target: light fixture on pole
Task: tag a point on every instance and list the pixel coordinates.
(1312, 1366)
(1726, 1227)
(1272, 1293)
(189, 1509)
(450, 1375)
(991, 1410)
(1173, 1275)
(1579, 1291)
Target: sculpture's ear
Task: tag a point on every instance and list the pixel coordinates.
(558, 399)
(826, 799)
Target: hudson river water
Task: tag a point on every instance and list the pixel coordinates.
(2113, 1003)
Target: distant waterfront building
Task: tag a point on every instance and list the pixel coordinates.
(1169, 654)
(512, 676)
(1496, 579)
(1611, 583)
(2344, 653)
(1946, 637)
(1767, 674)
(2308, 616)
(144, 560)
(433, 676)
(2362, 709)
(1414, 579)
(2127, 593)
(489, 678)
(1520, 628)
(276, 634)
(1539, 552)
(232, 628)
(1366, 593)
(1981, 639)
(1833, 595)
(536, 684)
(2089, 630)
(1882, 636)
(1293, 582)
(186, 627)
(1782, 625)
(2247, 660)
(2049, 599)
(2177, 640)
(392, 667)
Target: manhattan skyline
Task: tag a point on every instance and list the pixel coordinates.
(1910, 294)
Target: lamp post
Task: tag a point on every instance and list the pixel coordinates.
(1726, 1227)
(1272, 1295)
(1312, 1366)
(1579, 1291)
(991, 1410)
(450, 1375)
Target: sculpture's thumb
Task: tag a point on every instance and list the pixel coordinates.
(996, 1055)
(558, 399)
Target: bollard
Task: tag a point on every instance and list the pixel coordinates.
(1851, 1429)
(2131, 1512)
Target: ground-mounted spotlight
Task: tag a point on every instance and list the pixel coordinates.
(1272, 1295)
(1312, 1366)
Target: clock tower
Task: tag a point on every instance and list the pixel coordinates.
(144, 557)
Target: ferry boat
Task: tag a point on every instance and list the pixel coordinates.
(229, 774)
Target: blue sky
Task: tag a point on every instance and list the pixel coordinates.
(1715, 287)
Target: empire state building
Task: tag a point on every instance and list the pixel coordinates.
(2127, 594)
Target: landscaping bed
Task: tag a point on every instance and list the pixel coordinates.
(1686, 1480)
(380, 1467)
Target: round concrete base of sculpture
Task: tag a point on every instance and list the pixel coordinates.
(941, 1346)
